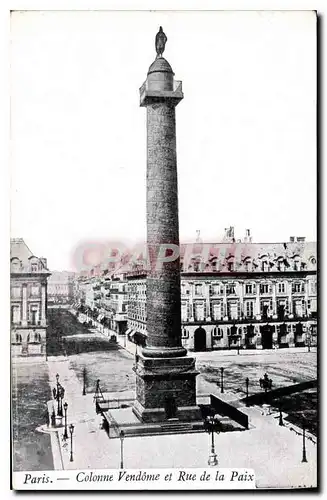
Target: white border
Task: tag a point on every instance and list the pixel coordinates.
(5, 7)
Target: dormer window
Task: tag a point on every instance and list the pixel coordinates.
(34, 266)
(296, 265)
(247, 265)
(264, 266)
(281, 265)
(15, 265)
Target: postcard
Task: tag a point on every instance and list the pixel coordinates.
(163, 262)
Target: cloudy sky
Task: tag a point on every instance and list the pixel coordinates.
(246, 133)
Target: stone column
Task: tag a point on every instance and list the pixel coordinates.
(207, 296)
(43, 305)
(225, 311)
(241, 296)
(274, 301)
(191, 306)
(165, 376)
(24, 306)
(290, 304)
(257, 302)
(163, 278)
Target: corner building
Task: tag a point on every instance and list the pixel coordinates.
(28, 283)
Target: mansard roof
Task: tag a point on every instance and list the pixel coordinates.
(240, 257)
(256, 253)
(22, 258)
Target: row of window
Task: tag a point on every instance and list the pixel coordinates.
(33, 314)
(16, 266)
(249, 288)
(32, 290)
(36, 337)
(298, 329)
(233, 310)
(249, 265)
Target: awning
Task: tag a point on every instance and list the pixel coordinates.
(128, 331)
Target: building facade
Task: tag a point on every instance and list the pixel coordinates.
(240, 295)
(29, 275)
(102, 302)
(60, 288)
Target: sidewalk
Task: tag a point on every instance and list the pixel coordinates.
(126, 344)
(274, 452)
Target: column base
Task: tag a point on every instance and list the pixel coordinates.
(164, 352)
(166, 389)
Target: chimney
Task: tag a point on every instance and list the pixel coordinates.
(292, 239)
(301, 238)
(248, 237)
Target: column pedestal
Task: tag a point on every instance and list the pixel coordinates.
(166, 389)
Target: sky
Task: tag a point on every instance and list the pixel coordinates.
(246, 128)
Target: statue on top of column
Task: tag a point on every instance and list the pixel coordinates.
(161, 40)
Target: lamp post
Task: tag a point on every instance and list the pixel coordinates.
(84, 381)
(122, 435)
(247, 390)
(281, 423)
(221, 379)
(65, 431)
(212, 425)
(238, 345)
(60, 396)
(71, 430)
(304, 453)
(309, 341)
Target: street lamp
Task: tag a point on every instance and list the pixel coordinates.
(247, 390)
(221, 379)
(59, 396)
(212, 425)
(65, 431)
(238, 345)
(281, 423)
(84, 381)
(71, 430)
(304, 453)
(122, 435)
(309, 341)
